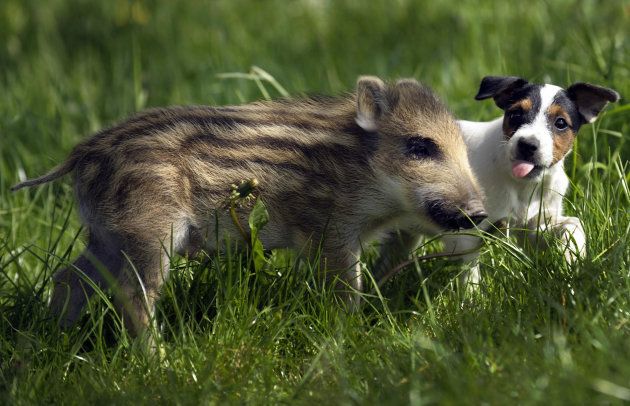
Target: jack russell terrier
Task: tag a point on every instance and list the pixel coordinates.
(518, 161)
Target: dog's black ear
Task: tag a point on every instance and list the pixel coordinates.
(591, 99)
(501, 88)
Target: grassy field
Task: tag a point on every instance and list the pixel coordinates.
(538, 331)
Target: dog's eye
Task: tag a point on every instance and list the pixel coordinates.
(515, 115)
(421, 147)
(561, 124)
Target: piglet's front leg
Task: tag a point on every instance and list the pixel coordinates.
(341, 265)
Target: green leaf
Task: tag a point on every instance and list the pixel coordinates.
(258, 218)
(258, 254)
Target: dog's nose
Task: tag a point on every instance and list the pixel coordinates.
(526, 147)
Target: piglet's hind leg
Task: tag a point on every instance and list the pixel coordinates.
(73, 286)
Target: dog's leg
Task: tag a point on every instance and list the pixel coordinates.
(573, 238)
(568, 230)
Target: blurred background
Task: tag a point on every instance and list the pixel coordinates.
(69, 67)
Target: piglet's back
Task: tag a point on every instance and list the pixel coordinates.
(187, 157)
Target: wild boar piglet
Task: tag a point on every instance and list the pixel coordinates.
(334, 172)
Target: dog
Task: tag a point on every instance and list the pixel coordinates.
(518, 161)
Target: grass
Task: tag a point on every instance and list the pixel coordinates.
(539, 331)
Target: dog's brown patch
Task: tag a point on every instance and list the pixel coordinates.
(562, 139)
(555, 110)
(525, 104)
(562, 144)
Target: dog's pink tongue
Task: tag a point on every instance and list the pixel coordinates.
(520, 169)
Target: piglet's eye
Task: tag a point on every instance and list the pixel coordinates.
(561, 124)
(421, 147)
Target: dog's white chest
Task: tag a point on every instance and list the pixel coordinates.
(505, 201)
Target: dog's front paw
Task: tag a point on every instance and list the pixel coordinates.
(571, 233)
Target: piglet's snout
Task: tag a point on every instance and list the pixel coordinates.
(472, 214)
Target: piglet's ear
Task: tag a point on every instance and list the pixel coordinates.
(371, 102)
(591, 99)
(501, 88)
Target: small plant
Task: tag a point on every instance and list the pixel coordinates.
(242, 195)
